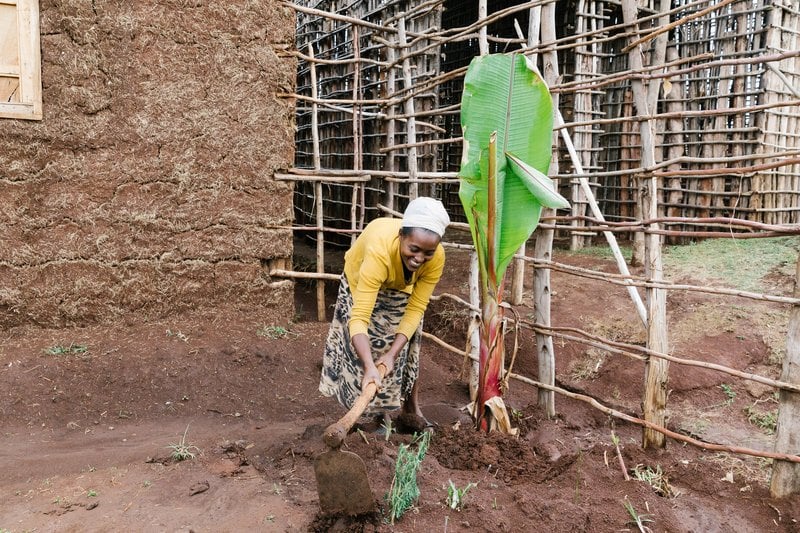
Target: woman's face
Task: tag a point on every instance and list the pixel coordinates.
(417, 247)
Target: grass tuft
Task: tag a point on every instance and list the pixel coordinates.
(182, 451)
(455, 496)
(766, 420)
(655, 478)
(404, 491)
(276, 332)
(72, 349)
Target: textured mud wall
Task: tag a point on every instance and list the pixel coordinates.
(148, 187)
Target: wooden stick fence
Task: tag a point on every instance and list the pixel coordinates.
(791, 458)
(651, 144)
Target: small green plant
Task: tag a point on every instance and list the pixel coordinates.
(91, 493)
(147, 483)
(455, 496)
(275, 332)
(730, 394)
(767, 421)
(404, 490)
(638, 519)
(72, 349)
(655, 478)
(388, 428)
(182, 451)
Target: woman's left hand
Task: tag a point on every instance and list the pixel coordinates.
(386, 360)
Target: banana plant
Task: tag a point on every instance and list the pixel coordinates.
(507, 123)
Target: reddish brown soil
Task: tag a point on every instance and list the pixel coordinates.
(85, 437)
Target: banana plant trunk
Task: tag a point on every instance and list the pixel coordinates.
(507, 121)
(492, 356)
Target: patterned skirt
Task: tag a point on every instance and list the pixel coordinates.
(342, 370)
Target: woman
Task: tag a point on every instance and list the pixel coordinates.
(389, 275)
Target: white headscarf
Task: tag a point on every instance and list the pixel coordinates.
(427, 213)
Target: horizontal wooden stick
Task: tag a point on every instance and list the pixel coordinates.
(327, 179)
(725, 171)
(278, 273)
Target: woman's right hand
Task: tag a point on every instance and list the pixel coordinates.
(371, 374)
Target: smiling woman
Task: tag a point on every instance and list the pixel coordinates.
(389, 275)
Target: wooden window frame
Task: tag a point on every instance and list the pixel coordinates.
(29, 71)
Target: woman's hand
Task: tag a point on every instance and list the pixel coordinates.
(371, 374)
(386, 360)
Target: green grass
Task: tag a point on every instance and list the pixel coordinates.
(734, 263)
(638, 519)
(455, 495)
(730, 394)
(72, 349)
(404, 490)
(276, 332)
(767, 421)
(654, 477)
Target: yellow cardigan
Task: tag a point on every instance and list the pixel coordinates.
(373, 263)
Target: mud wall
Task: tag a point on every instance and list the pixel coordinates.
(148, 186)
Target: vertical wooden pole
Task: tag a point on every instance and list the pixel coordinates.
(358, 126)
(321, 315)
(475, 321)
(391, 124)
(411, 123)
(483, 41)
(357, 199)
(518, 271)
(785, 479)
(582, 105)
(544, 241)
(674, 138)
(656, 369)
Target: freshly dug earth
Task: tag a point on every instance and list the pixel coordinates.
(91, 417)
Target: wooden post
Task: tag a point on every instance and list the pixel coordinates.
(656, 369)
(785, 479)
(483, 41)
(391, 124)
(544, 241)
(321, 315)
(518, 270)
(411, 124)
(356, 200)
(475, 331)
(582, 105)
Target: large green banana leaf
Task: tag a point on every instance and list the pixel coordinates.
(504, 94)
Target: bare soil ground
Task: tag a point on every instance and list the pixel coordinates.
(86, 434)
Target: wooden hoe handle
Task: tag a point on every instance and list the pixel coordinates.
(335, 433)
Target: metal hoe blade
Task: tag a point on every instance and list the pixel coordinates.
(342, 483)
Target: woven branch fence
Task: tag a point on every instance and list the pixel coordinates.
(675, 122)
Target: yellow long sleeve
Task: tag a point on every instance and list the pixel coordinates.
(373, 263)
